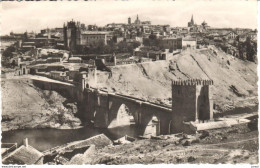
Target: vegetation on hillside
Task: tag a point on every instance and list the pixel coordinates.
(246, 50)
(7, 56)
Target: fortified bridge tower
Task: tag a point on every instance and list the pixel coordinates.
(191, 101)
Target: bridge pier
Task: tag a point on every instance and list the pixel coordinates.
(101, 110)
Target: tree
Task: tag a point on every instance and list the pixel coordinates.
(152, 37)
(100, 47)
(122, 46)
(136, 44)
(114, 39)
(250, 51)
(146, 42)
(7, 55)
(130, 48)
(8, 52)
(241, 51)
(108, 49)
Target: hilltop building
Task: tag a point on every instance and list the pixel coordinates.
(75, 35)
(193, 27)
(189, 42)
(173, 43)
(71, 35)
(138, 22)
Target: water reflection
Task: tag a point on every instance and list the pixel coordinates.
(118, 132)
(43, 139)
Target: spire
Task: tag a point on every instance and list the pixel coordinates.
(137, 21)
(192, 19)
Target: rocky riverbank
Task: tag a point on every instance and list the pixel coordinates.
(237, 144)
(25, 106)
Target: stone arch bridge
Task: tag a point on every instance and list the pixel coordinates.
(191, 101)
(103, 107)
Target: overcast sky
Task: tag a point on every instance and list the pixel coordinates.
(33, 16)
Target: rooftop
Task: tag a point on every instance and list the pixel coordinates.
(189, 39)
(95, 32)
(28, 42)
(23, 155)
(75, 58)
(53, 58)
(27, 46)
(57, 72)
(169, 38)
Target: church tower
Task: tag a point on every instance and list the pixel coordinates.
(137, 21)
(191, 23)
(129, 20)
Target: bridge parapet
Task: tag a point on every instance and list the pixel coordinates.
(193, 82)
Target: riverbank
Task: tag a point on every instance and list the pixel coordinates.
(237, 144)
(234, 145)
(25, 106)
(46, 138)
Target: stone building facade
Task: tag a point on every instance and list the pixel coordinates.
(171, 43)
(75, 34)
(93, 38)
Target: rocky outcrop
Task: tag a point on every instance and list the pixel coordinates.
(26, 106)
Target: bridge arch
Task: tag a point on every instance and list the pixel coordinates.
(123, 117)
(156, 119)
(122, 109)
(153, 127)
(116, 110)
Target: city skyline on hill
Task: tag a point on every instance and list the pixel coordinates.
(34, 16)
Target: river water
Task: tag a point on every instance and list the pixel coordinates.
(46, 138)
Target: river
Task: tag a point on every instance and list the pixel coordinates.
(46, 138)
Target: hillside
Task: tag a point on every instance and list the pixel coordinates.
(25, 106)
(235, 81)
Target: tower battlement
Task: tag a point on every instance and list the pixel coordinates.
(192, 82)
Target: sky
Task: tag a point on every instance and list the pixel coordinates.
(34, 16)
